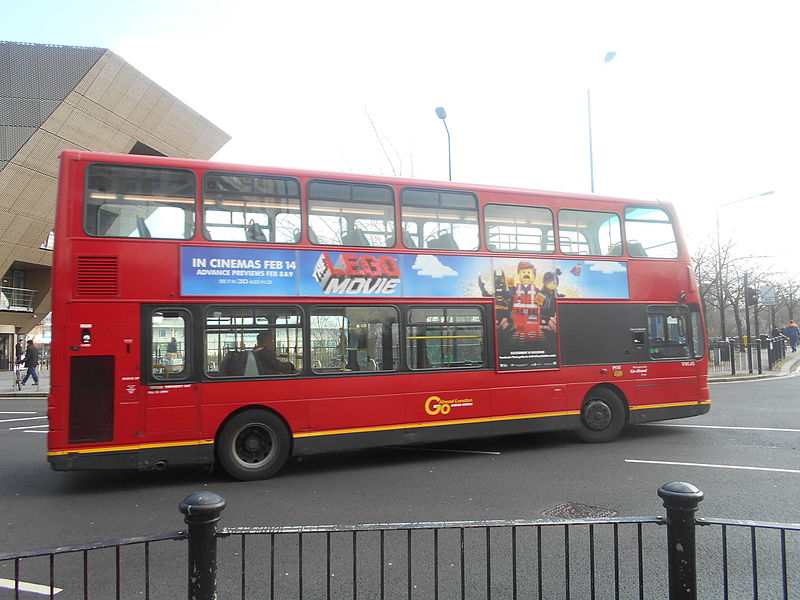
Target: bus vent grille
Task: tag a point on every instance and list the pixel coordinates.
(98, 276)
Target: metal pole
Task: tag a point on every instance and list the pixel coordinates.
(747, 327)
(442, 114)
(202, 512)
(758, 355)
(720, 297)
(681, 500)
(449, 160)
(591, 154)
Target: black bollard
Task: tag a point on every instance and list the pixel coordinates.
(202, 512)
(681, 500)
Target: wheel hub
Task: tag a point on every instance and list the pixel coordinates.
(597, 415)
(253, 445)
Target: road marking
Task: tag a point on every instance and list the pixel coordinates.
(37, 431)
(27, 427)
(726, 427)
(687, 464)
(17, 412)
(33, 588)
(21, 419)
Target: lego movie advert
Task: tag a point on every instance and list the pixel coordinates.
(525, 290)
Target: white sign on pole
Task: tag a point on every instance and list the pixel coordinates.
(768, 295)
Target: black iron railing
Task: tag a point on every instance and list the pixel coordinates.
(736, 358)
(675, 556)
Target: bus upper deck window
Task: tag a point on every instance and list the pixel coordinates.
(350, 214)
(243, 207)
(649, 233)
(518, 228)
(139, 202)
(440, 219)
(589, 233)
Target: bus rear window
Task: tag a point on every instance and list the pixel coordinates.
(139, 202)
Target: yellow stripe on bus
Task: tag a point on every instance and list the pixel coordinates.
(668, 404)
(366, 429)
(435, 424)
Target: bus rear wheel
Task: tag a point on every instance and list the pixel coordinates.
(602, 416)
(253, 445)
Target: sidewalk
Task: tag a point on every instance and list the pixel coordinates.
(788, 365)
(29, 390)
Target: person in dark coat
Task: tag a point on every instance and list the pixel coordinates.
(31, 361)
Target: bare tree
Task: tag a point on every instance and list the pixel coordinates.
(390, 153)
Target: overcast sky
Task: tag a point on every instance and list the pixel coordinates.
(700, 106)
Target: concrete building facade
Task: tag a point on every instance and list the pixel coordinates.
(58, 97)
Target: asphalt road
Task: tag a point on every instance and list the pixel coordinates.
(744, 455)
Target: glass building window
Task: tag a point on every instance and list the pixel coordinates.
(139, 202)
(251, 208)
(350, 214)
(439, 220)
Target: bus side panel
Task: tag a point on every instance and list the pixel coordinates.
(219, 400)
(104, 368)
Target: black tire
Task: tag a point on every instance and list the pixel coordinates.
(253, 445)
(603, 416)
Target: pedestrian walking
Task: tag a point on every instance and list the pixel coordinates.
(792, 331)
(31, 361)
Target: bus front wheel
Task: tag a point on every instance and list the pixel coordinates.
(253, 445)
(602, 416)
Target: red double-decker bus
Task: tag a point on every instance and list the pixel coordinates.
(217, 313)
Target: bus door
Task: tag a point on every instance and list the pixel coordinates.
(170, 398)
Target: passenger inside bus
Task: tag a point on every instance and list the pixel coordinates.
(261, 360)
(266, 358)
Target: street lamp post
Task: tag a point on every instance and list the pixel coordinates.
(720, 298)
(608, 58)
(442, 114)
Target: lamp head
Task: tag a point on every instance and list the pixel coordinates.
(609, 57)
(440, 112)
